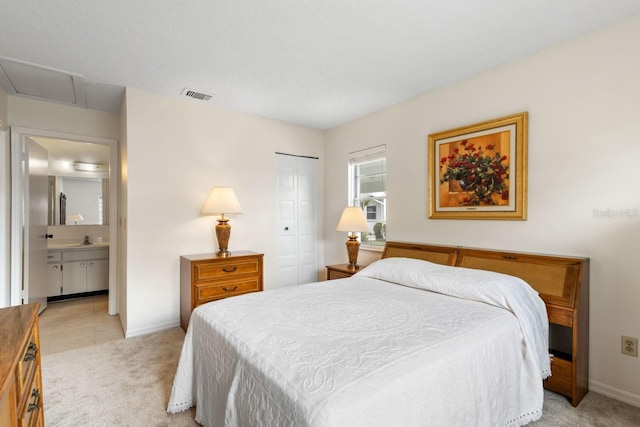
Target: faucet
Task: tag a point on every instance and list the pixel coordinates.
(86, 241)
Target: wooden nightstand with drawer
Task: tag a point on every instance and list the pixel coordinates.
(207, 277)
(341, 271)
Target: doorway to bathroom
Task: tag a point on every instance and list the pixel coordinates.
(69, 239)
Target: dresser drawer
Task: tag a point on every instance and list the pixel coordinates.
(206, 293)
(222, 270)
(85, 254)
(54, 256)
(342, 271)
(333, 274)
(560, 380)
(33, 405)
(27, 366)
(209, 277)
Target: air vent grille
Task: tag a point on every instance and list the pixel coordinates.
(196, 95)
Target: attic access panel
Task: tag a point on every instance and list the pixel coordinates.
(34, 81)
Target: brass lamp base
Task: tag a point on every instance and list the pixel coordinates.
(352, 250)
(223, 232)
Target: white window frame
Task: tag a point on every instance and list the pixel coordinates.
(362, 156)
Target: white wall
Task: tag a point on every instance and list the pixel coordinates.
(176, 151)
(583, 99)
(33, 114)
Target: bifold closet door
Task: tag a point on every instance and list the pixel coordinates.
(297, 220)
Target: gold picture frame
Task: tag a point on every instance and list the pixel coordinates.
(479, 171)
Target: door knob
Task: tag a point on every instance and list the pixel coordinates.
(286, 228)
(48, 236)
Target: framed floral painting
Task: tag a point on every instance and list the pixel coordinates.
(479, 171)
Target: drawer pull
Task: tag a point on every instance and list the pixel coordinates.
(508, 257)
(231, 270)
(230, 290)
(32, 350)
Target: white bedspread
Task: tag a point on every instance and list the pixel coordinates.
(358, 352)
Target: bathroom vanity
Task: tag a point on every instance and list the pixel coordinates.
(77, 268)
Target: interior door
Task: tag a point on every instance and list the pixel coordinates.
(36, 192)
(287, 214)
(297, 220)
(307, 219)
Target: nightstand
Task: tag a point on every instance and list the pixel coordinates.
(207, 277)
(340, 271)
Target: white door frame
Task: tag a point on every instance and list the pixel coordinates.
(5, 214)
(17, 207)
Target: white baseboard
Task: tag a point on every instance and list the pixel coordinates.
(614, 393)
(130, 333)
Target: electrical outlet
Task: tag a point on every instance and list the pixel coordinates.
(630, 346)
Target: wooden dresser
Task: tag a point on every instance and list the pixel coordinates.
(563, 285)
(20, 378)
(207, 277)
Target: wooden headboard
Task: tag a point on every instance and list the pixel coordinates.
(561, 281)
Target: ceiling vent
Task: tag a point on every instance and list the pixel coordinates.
(43, 83)
(196, 95)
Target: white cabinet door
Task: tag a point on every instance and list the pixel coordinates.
(75, 277)
(54, 280)
(97, 275)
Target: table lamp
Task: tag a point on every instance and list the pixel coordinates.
(353, 220)
(75, 218)
(221, 201)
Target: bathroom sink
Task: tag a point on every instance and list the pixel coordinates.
(53, 245)
(64, 245)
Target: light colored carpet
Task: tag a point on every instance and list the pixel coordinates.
(128, 382)
(118, 383)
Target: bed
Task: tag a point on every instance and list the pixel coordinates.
(410, 340)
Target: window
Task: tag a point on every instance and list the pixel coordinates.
(372, 212)
(368, 189)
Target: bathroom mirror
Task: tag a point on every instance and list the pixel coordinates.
(77, 195)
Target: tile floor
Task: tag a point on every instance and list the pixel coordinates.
(66, 325)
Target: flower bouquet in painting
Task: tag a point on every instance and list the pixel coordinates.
(480, 172)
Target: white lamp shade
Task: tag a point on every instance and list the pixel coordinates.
(222, 200)
(75, 217)
(353, 220)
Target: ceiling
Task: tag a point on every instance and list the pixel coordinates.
(317, 63)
